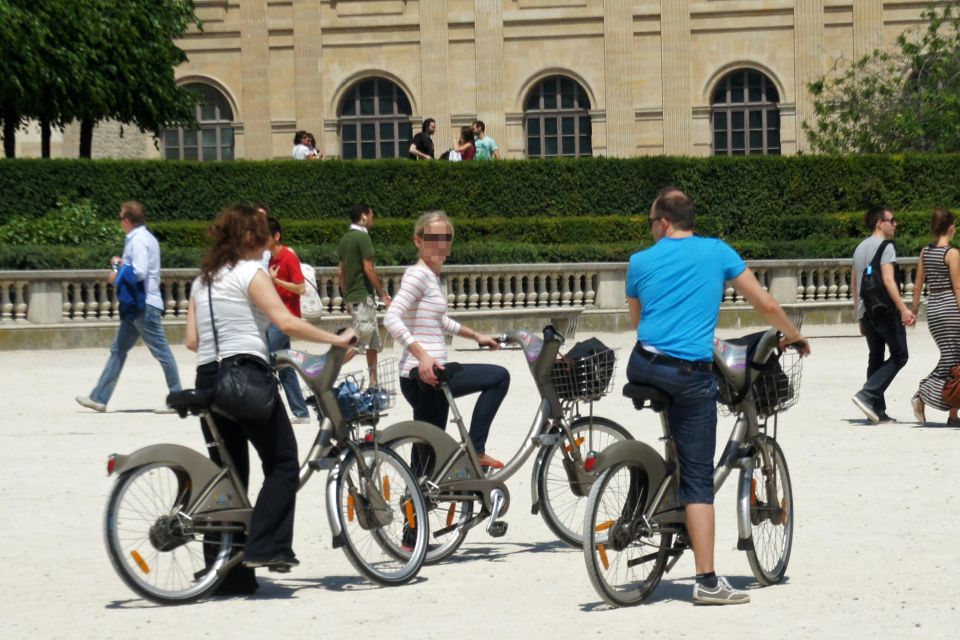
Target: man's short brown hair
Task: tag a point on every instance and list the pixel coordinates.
(132, 212)
(675, 206)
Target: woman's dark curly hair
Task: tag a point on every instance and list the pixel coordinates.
(236, 233)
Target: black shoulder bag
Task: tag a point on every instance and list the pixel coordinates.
(246, 389)
(873, 292)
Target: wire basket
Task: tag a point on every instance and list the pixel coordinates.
(358, 399)
(775, 389)
(586, 378)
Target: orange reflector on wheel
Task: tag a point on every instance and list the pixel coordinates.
(451, 512)
(411, 517)
(140, 561)
(602, 552)
(603, 526)
(753, 492)
(350, 508)
(783, 511)
(386, 488)
(569, 447)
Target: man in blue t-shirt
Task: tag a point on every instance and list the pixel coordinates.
(676, 286)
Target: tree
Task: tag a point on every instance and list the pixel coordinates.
(895, 102)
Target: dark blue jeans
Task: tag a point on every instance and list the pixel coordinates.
(693, 421)
(277, 340)
(884, 331)
(430, 405)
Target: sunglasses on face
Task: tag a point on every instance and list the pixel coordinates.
(890, 220)
(438, 237)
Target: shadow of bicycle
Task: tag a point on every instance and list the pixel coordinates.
(499, 552)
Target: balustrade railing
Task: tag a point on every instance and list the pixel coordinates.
(49, 297)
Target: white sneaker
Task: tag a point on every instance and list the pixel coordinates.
(300, 420)
(723, 593)
(90, 403)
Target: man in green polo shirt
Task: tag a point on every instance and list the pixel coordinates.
(358, 281)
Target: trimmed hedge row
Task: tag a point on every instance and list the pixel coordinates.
(740, 193)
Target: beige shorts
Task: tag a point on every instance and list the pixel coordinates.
(364, 316)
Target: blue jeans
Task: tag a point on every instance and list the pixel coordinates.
(146, 325)
(693, 421)
(277, 340)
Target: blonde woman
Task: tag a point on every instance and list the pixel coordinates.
(417, 318)
(939, 268)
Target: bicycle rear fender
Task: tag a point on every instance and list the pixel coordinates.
(636, 453)
(199, 469)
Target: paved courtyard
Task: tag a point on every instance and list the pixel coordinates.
(876, 512)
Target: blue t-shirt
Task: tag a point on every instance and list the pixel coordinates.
(679, 283)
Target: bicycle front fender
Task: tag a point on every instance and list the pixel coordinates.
(200, 470)
(634, 453)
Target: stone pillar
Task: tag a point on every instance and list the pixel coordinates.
(783, 285)
(611, 289)
(675, 56)
(618, 66)
(46, 302)
(308, 61)
(867, 27)
(491, 107)
(434, 54)
(255, 59)
(808, 58)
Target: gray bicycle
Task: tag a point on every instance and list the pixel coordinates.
(173, 516)
(634, 528)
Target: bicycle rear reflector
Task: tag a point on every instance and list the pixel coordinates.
(451, 512)
(386, 488)
(591, 462)
(111, 463)
(411, 517)
(140, 561)
(602, 552)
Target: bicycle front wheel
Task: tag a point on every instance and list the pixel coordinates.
(770, 512)
(625, 558)
(381, 515)
(148, 544)
(560, 489)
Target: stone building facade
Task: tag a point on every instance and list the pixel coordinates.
(548, 77)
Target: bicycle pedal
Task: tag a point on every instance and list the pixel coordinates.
(497, 529)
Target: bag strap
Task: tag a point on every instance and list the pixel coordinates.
(213, 321)
(875, 263)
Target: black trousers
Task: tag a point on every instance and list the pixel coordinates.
(883, 331)
(271, 525)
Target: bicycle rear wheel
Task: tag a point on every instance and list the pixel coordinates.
(771, 512)
(563, 501)
(625, 559)
(146, 541)
(381, 515)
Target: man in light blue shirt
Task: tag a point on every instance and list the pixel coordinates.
(141, 253)
(677, 287)
(486, 146)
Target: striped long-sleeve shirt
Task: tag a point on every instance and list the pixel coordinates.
(418, 313)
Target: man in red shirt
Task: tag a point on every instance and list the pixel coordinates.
(288, 279)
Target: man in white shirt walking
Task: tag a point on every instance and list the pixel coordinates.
(141, 257)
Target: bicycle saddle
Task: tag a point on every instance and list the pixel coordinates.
(644, 395)
(190, 401)
(449, 370)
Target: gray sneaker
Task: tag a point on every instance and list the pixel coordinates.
(723, 593)
(300, 420)
(90, 403)
(165, 409)
(864, 404)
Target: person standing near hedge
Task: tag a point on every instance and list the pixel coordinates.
(421, 147)
(138, 269)
(882, 329)
(359, 280)
(486, 146)
(284, 268)
(939, 268)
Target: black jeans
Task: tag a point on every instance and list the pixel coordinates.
(883, 331)
(430, 405)
(271, 525)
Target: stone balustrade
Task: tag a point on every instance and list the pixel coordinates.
(71, 297)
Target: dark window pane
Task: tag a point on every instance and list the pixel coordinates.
(720, 141)
(350, 105)
(754, 94)
(533, 147)
(756, 140)
(368, 150)
(171, 138)
(403, 103)
(754, 79)
(773, 138)
(736, 120)
(386, 101)
(773, 119)
(386, 131)
(736, 142)
(388, 150)
(406, 131)
(368, 133)
(349, 151)
(756, 119)
(772, 94)
(569, 145)
(756, 152)
(719, 120)
(550, 146)
(566, 85)
(738, 152)
(226, 136)
(349, 132)
(736, 95)
(533, 102)
(208, 112)
(550, 126)
(550, 100)
(190, 138)
(226, 153)
(189, 153)
(586, 148)
(366, 106)
(567, 126)
(209, 137)
(533, 126)
(585, 125)
(209, 153)
(736, 80)
(172, 153)
(773, 152)
(720, 95)
(583, 101)
(566, 100)
(367, 88)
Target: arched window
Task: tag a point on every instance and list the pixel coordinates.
(375, 121)
(745, 116)
(557, 119)
(213, 140)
